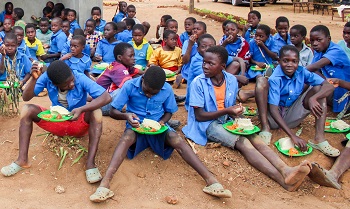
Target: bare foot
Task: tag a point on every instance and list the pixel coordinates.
(296, 175)
(323, 177)
(23, 165)
(244, 95)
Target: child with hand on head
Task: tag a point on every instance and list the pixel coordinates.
(71, 17)
(143, 50)
(6, 14)
(189, 22)
(7, 29)
(67, 48)
(126, 35)
(92, 36)
(121, 70)
(297, 37)
(96, 15)
(345, 44)
(122, 12)
(34, 45)
(22, 47)
(282, 37)
(212, 102)
(44, 34)
(17, 15)
(249, 29)
(66, 29)
(173, 26)
(69, 89)
(150, 97)
(131, 12)
(147, 26)
(161, 27)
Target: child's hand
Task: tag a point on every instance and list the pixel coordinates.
(46, 46)
(229, 39)
(193, 38)
(259, 43)
(235, 110)
(2, 50)
(334, 81)
(261, 64)
(76, 113)
(66, 56)
(242, 79)
(315, 108)
(36, 69)
(133, 120)
(300, 143)
(247, 26)
(97, 58)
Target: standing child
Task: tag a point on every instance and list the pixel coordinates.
(22, 47)
(96, 15)
(249, 29)
(173, 26)
(150, 97)
(44, 34)
(6, 14)
(66, 29)
(143, 50)
(7, 30)
(345, 44)
(34, 45)
(122, 12)
(67, 89)
(297, 37)
(189, 22)
(71, 17)
(282, 37)
(92, 36)
(126, 35)
(17, 15)
(131, 11)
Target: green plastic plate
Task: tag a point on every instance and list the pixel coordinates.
(239, 131)
(334, 130)
(143, 130)
(53, 118)
(169, 75)
(285, 152)
(348, 136)
(5, 85)
(248, 112)
(254, 68)
(101, 66)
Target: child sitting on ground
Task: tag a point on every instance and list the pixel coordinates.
(126, 35)
(143, 50)
(297, 37)
(7, 29)
(345, 44)
(289, 103)
(212, 101)
(64, 14)
(189, 22)
(150, 97)
(160, 29)
(249, 29)
(173, 26)
(121, 26)
(92, 36)
(122, 12)
(66, 29)
(34, 45)
(6, 14)
(44, 34)
(282, 37)
(131, 11)
(22, 47)
(17, 15)
(67, 49)
(96, 15)
(68, 89)
(71, 17)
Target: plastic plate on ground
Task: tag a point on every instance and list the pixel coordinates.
(256, 68)
(171, 79)
(144, 130)
(101, 66)
(348, 136)
(250, 111)
(5, 85)
(329, 129)
(46, 115)
(300, 153)
(240, 131)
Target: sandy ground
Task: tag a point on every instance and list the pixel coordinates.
(145, 181)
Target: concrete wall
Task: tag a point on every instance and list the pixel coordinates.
(35, 7)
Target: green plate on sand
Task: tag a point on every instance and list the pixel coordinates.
(143, 130)
(348, 136)
(101, 66)
(248, 112)
(329, 129)
(5, 85)
(285, 152)
(169, 75)
(240, 131)
(256, 68)
(46, 115)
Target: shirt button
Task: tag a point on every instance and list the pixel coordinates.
(289, 98)
(291, 91)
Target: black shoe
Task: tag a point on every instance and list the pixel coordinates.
(174, 123)
(180, 99)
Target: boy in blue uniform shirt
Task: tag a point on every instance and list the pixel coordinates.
(71, 17)
(150, 97)
(330, 60)
(282, 37)
(249, 29)
(96, 15)
(66, 47)
(189, 23)
(122, 12)
(22, 47)
(212, 100)
(126, 35)
(68, 89)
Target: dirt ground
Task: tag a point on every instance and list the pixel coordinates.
(145, 181)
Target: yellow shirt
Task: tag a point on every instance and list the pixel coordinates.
(166, 59)
(220, 92)
(138, 48)
(37, 46)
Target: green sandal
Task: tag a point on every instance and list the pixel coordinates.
(11, 169)
(93, 175)
(101, 194)
(217, 190)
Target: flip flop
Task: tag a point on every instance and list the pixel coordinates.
(322, 177)
(265, 137)
(93, 175)
(325, 148)
(217, 190)
(101, 194)
(11, 169)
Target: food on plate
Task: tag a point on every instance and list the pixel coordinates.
(59, 110)
(233, 126)
(340, 125)
(244, 123)
(292, 152)
(48, 116)
(327, 124)
(102, 65)
(152, 124)
(59, 116)
(168, 72)
(286, 143)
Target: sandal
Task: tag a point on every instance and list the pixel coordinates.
(217, 190)
(93, 175)
(101, 194)
(323, 177)
(325, 148)
(265, 137)
(11, 169)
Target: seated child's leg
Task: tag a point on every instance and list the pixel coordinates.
(261, 93)
(216, 133)
(233, 68)
(105, 109)
(244, 95)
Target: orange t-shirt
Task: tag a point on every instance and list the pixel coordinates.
(220, 92)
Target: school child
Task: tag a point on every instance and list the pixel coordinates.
(249, 29)
(67, 49)
(7, 29)
(223, 25)
(189, 22)
(71, 17)
(96, 15)
(344, 44)
(121, 70)
(22, 47)
(58, 39)
(126, 35)
(150, 97)
(76, 59)
(50, 4)
(121, 26)
(17, 15)
(131, 11)
(289, 104)
(161, 27)
(143, 50)
(212, 102)
(68, 89)
(282, 37)
(34, 45)
(66, 29)
(6, 14)
(92, 36)
(64, 14)
(261, 51)
(122, 12)
(330, 60)
(46, 13)
(173, 26)
(12, 58)
(297, 37)
(106, 45)
(147, 26)
(44, 34)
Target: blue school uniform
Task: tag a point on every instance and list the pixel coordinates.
(66, 49)
(185, 67)
(23, 48)
(279, 42)
(58, 40)
(184, 37)
(105, 50)
(77, 96)
(73, 25)
(101, 26)
(153, 108)
(250, 34)
(79, 64)
(338, 68)
(284, 91)
(119, 16)
(2, 37)
(203, 96)
(124, 36)
(23, 66)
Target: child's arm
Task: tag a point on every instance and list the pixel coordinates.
(66, 56)
(228, 40)
(271, 54)
(28, 92)
(25, 79)
(318, 65)
(132, 118)
(233, 111)
(187, 56)
(157, 34)
(338, 82)
(314, 105)
(165, 118)
(2, 62)
(260, 64)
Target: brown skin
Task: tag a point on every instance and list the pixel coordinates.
(197, 31)
(170, 44)
(320, 43)
(282, 28)
(253, 22)
(297, 39)
(346, 36)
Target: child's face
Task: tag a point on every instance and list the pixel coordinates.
(96, 15)
(172, 26)
(138, 35)
(63, 16)
(50, 4)
(9, 9)
(89, 27)
(232, 30)
(44, 26)
(10, 47)
(109, 32)
(131, 12)
(346, 34)
(162, 22)
(205, 44)
(76, 47)
(55, 26)
(67, 85)
(212, 65)
(127, 58)
(253, 20)
(295, 37)
(260, 35)
(171, 41)
(188, 26)
(149, 92)
(319, 41)
(70, 16)
(7, 25)
(65, 27)
(198, 29)
(282, 28)
(30, 33)
(289, 63)
(20, 36)
(122, 7)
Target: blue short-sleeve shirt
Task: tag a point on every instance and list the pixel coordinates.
(184, 37)
(185, 67)
(66, 49)
(124, 36)
(23, 48)
(57, 42)
(79, 64)
(250, 34)
(118, 17)
(73, 25)
(279, 42)
(105, 50)
(101, 26)
(23, 66)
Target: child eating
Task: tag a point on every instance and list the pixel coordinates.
(96, 15)
(249, 29)
(189, 22)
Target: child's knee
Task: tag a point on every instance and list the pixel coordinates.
(261, 83)
(27, 110)
(97, 115)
